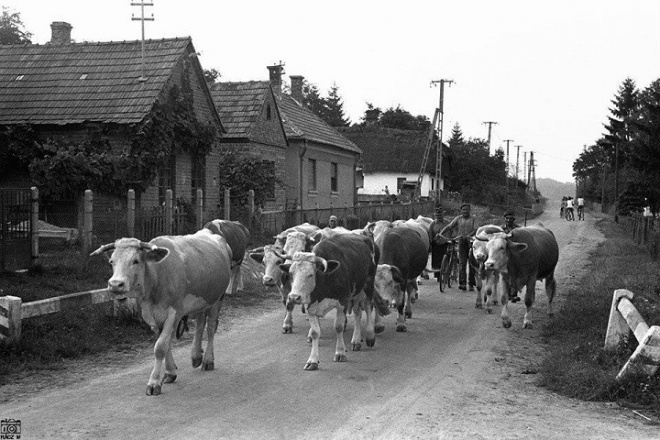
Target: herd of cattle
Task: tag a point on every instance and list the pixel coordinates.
(369, 270)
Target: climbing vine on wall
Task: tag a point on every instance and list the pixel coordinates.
(60, 167)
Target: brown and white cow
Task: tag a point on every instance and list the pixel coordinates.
(421, 226)
(403, 257)
(486, 280)
(173, 277)
(237, 236)
(306, 228)
(522, 257)
(271, 257)
(338, 274)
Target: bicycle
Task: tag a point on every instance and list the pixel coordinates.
(449, 266)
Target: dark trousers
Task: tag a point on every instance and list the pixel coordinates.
(463, 266)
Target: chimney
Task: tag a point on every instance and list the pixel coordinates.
(297, 88)
(371, 116)
(60, 32)
(276, 72)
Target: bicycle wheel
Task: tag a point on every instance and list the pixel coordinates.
(444, 272)
(448, 273)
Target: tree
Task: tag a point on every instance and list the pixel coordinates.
(621, 122)
(334, 109)
(403, 120)
(12, 30)
(211, 76)
(312, 99)
(456, 140)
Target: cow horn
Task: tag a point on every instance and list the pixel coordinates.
(104, 248)
(259, 249)
(281, 255)
(323, 262)
(148, 246)
(482, 236)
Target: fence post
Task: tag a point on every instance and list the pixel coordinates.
(168, 212)
(199, 212)
(10, 317)
(35, 225)
(251, 207)
(227, 204)
(130, 215)
(617, 328)
(88, 214)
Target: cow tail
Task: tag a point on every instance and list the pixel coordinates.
(379, 303)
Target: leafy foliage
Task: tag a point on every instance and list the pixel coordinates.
(403, 120)
(330, 109)
(12, 30)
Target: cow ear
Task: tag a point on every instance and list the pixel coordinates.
(397, 275)
(309, 244)
(517, 247)
(156, 255)
(332, 266)
(258, 257)
(316, 237)
(284, 267)
(286, 277)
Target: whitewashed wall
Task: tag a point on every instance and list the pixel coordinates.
(374, 183)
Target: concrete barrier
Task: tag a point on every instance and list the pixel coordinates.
(624, 319)
(13, 310)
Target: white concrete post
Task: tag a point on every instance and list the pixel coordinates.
(617, 327)
(10, 317)
(130, 214)
(35, 225)
(646, 358)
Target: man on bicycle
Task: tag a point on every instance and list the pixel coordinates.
(438, 243)
(580, 208)
(569, 209)
(463, 226)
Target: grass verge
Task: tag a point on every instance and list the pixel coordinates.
(577, 365)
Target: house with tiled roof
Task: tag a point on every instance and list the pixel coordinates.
(253, 124)
(70, 91)
(392, 157)
(321, 162)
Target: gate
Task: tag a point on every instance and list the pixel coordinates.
(15, 229)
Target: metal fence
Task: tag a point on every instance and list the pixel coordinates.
(644, 232)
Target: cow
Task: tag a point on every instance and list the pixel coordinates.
(338, 274)
(403, 257)
(421, 226)
(237, 236)
(305, 228)
(374, 229)
(271, 257)
(173, 277)
(486, 280)
(522, 257)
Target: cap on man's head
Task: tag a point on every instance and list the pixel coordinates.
(509, 212)
(333, 217)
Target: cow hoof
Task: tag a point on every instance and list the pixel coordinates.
(309, 339)
(478, 306)
(412, 300)
(169, 378)
(208, 366)
(356, 346)
(528, 325)
(340, 358)
(380, 328)
(401, 328)
(495, 302)
(311, 366)
(489, 310)
(153, 390)
(196, 362)
(506, 324)
(286, 330)
(408, 314)
(371, 342)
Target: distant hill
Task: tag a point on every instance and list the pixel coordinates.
(554, 190)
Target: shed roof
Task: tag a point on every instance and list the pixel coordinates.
(392, 150)
(81, 82)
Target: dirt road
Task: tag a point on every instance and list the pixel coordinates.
(456, 374)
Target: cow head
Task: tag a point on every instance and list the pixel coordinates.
(380, 227)
(499, 249)
(303, 270)
(390, 284)
(483, 234)
(128, 259)
(271, 257)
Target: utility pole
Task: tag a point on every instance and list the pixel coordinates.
(525, 167)
(142, 18)
(532, 171)
(490, 126)
(517, 160)
(506, 170)
(438, 157)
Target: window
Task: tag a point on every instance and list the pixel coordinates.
(399, 183)
(198, 176)
(334, 174)
(311, 176)
(167, 179)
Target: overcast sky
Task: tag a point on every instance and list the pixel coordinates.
(545, 71)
